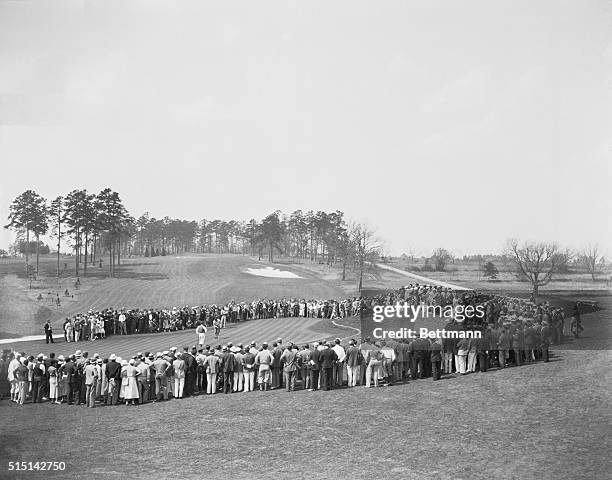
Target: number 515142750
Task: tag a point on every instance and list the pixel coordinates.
(42, 466)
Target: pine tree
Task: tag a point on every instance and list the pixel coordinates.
(28, 213)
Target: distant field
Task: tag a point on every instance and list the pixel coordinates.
(470, 274)
(144, 282)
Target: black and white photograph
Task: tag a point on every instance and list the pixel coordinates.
(305, 239)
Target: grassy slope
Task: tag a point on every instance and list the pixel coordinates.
(147, 282)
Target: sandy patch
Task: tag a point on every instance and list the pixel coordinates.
(271, 272)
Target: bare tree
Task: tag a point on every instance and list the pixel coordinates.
(412, 253)
(440, 258)
(366, 247)
(591, 258)
(536, 261)
(563, 258)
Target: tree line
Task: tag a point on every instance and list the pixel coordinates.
(95, 223)
(99, 224)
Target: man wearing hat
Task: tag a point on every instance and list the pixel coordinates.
(91, 380)
(48, 332)
(102, 384)
(304, 365)
(151, 375)
(289, 358)
(227, 367)
(170, 356)
(238, 368)
(13, 364)
(73, 380)
(545, 339)
(328, 359)
(211, 365)
(248, 368)
(315, 366)
(276, 365)
(353, 361)
(504, 342)
(121, 323)
(38, 375)
(21, 374)
(143, 379)
(264, 359)
(113, 373)
(436, 358)
(81, 361)
(190, 371)
(193, 371)
(179, 374)
(200, 372)
(161, 365)
(338, 369)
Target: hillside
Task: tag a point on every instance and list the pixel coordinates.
(146, 282)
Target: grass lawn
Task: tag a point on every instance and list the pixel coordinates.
(537, 421)
(143, 283)
(299, 330)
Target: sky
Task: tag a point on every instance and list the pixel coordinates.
(439, 124)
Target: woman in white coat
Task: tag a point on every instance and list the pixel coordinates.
(130, 389)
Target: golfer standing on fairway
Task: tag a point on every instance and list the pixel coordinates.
(201, 331)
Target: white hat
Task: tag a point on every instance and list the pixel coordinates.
(112, 356)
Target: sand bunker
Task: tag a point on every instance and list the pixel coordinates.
(271, 272)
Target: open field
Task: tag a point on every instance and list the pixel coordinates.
(470, 274)
(464, 274)
(144, 283)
